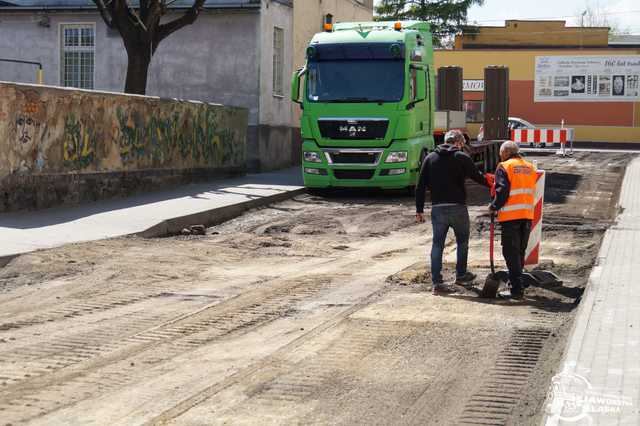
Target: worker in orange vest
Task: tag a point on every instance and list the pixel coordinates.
(514, 203)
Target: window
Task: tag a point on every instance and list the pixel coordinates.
(363, 80)
(475, 111)
(413, 85)
(278, 61)
(77, 56)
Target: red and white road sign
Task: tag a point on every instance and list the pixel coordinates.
(532, 254)
(537, 137)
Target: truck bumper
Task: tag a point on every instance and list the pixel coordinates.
(380, 175)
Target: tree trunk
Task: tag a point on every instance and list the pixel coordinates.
(137, 70)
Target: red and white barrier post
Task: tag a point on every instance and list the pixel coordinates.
(543, 137)
(532, 254)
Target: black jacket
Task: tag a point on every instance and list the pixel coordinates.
(444, 172)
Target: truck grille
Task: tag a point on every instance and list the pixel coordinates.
(353, 174)
(353, 128)
(355, 156)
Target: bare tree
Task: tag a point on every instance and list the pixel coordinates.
(142, 30)
(595, 16)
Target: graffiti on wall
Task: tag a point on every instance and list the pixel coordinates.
(79, 146)
(51, 130)
(28, 132)
(26, 129)
(196, 136)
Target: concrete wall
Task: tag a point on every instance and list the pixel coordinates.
(270, 141)
(49, 134)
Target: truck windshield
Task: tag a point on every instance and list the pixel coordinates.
(378, 80)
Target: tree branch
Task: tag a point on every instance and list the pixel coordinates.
(106, 17)
(188, 18)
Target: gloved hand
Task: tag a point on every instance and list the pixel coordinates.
(491, 180)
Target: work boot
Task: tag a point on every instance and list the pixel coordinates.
(442, 289)
(466, 280)
(517, 292)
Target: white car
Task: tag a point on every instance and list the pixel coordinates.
(512, 123)
(519, 123)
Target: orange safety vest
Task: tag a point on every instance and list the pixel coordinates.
(522, 187)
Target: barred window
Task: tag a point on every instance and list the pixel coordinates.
(77, 55)
(278, 61)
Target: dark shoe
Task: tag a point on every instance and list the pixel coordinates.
(518, 295)
(441, 289)
(466, 279)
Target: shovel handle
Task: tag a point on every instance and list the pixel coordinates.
(491, 238)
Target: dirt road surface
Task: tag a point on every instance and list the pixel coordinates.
(310, 311)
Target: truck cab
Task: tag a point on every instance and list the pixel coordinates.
(367, 95)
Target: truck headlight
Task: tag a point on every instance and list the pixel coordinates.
(312, 157)
(396, 157)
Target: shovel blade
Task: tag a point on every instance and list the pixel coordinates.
(490, 288)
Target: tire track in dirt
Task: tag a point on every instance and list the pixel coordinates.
(35, 374)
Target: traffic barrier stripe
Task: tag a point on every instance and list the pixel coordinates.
(536, 137)
(532, 254)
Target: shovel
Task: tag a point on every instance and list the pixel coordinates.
(492, 282)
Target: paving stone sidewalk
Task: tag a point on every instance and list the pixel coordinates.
(23, 232)
(599, 379)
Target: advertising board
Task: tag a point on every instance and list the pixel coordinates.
(587, 78)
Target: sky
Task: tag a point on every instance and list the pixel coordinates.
(623, 14)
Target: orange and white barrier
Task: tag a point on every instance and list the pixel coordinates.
(541, 137)
(532, 254)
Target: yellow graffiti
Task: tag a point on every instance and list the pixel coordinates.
(79, 143)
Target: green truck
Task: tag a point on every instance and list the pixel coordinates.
(367, 105)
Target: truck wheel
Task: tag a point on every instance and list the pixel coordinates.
(317, 192)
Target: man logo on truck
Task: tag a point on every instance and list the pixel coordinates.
(353, 130)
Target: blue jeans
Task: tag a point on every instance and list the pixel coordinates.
(444, 217)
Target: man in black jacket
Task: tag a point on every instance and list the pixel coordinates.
(444, 172)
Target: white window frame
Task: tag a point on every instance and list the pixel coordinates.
(278, 66)
(62, 49)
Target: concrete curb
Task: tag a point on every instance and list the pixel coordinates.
(215, 216)
(211, 217)
(581, 320)
(4, 260)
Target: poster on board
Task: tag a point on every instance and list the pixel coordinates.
(587, 78)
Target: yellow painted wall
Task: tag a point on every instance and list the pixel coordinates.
(307, 21)
(536, 33)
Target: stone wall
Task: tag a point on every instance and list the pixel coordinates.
(66, 146)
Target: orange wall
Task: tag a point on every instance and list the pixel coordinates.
(574, 113)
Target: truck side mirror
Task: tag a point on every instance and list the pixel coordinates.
(295, 85)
